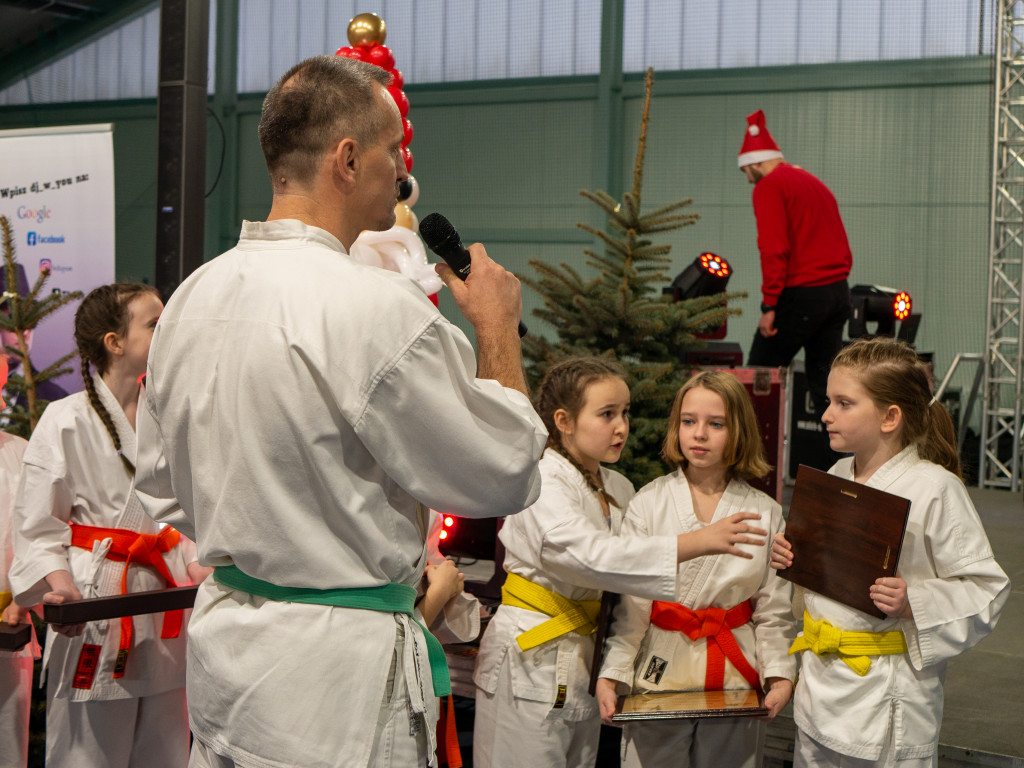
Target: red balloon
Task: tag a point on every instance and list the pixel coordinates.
(407, 131)
(396, 78)
(407, 155)
(350, 53)
(400, 99)
(381, 56)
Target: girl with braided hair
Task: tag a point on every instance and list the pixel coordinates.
(532, 673)
(115, 689)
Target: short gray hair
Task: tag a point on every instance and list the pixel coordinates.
(315, 103)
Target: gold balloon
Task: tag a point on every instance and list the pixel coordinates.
(367, 30)
(404, 217)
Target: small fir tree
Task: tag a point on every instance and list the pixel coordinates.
(622, 313)
(20, 314)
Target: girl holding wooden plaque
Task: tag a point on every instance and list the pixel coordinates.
(871, 688)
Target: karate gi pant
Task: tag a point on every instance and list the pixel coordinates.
(513, 732)
(15, 697)
(398, 742)
(148, 732)
(737, 742)
(808, 753)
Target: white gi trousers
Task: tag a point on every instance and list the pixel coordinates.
(736, 742)
(514, 732)
(143, 732)
(15, 696)
(808, 753)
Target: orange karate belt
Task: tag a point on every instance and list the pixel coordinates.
(716, 624)
(143, 549)
(448, 753)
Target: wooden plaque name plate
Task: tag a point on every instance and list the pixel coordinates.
(675, 705)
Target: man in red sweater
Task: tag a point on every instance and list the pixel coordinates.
(805, 260)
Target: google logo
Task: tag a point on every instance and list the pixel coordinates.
(40, 216)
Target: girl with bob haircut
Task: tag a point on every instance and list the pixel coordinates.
(730, 623)
(744, 453)
(533, 671)
(884, 706)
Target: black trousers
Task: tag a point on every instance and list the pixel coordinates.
(811, 318)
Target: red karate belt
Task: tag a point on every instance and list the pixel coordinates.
(143, 549)
(716, 624)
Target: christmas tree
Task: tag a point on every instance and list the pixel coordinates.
(622, 313)
(19, 315)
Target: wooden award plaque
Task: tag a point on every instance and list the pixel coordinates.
(14, 638)
(116, 606)
(674, 705)
(844, 536)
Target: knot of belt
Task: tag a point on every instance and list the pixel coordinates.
(715, 624)
(579, 616)
(142, 549)
(854, 648)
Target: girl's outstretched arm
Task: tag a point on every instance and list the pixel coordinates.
(782, 552)
(722, 538)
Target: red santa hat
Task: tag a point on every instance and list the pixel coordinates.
(758, 144)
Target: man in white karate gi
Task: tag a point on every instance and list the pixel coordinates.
(303, 411)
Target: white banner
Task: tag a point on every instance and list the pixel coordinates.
(57, 192)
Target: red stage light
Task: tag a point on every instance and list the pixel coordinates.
(901, 305)
(714, 264)
(443, 535)
(449, 521)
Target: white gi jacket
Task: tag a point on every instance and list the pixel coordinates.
(563, 543)
(12, 448)
(956, 591)
(648, 658)
(72, 474)
(305, 410)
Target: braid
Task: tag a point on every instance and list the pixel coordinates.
(105, 417)
(591, 481)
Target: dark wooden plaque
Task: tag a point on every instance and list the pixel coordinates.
(674, 705)
(116, 606)
(844, 536)
(608, 602)
(14, 638)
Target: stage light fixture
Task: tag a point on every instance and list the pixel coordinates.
(901, 305)
(707, 275)
(884, 306)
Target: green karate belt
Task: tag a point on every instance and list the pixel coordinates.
(388, 598)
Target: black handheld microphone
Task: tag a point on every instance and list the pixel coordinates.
(442, 238)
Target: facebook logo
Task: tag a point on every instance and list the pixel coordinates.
(31, 238)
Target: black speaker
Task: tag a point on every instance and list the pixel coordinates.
(181, 137)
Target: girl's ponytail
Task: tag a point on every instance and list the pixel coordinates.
(939, 443)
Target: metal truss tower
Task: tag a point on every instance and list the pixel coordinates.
(1000, 461)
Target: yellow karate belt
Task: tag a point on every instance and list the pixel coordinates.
(579, 616)
(5, 600)
(854, 648)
